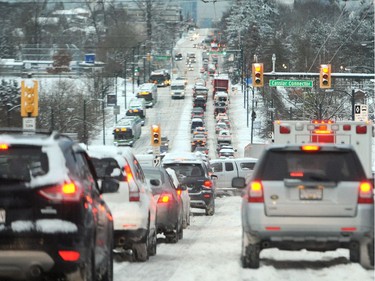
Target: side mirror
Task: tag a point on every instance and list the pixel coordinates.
(182, 187)
(239, 182)
(109, 185)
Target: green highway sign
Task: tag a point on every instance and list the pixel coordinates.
(161, 57)
(291, 83)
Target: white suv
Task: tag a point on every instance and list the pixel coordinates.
(313, 197)
(132, 204)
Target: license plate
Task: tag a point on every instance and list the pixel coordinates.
(315, 193)
(2, 216)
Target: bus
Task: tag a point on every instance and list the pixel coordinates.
(137, 107)
(148, 92)
(127, 131)
(161, 78)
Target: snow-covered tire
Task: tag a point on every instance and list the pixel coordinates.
(210, 210)
(141, 251)
(153, 245)
(251, 257)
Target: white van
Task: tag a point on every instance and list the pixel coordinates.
(226, 169)
(178, 89)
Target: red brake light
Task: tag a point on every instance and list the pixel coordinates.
(64, 192)
(134, 195)
(346, 127)
(69, 255)
(284, 130)
(365, 194)
(296, 174)
(207, 184)
(310, 147)
(256, 192)
(361, 129)
(3, 146)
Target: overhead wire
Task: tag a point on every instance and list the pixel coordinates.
(328, 37)
(354, 30)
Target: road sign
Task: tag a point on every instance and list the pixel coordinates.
(157, 161)
(291, 83)
(156, 57)
(360, 112)
(28, 123)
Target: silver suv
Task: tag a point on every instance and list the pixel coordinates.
(313, 197)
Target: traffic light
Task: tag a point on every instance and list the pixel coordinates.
(155, 135)
(257, 73)
(325, 76)
(29, 99)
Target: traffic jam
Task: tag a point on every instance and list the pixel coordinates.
(200, 161)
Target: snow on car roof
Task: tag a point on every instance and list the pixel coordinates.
(105, 151)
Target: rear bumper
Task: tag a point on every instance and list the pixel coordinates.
(24, 264)
(299, 229)
(201, 199)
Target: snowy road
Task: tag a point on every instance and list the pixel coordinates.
(210, 250)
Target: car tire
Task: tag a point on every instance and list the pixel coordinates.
(172, 236)
(153, 244)
(108, 275)
(88, 271)
(354, 253)
(367, 253)
(181, 231)
(251, 257)
(141, 251)
(210, 210)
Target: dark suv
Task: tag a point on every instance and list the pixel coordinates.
(313, 197)
(194, 172)
(53, 223)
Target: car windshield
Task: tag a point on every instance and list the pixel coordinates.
(107, 167)
(327, 166)
(186, 169)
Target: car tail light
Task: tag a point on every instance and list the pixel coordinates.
(256, 192)
(4, 146)
(207, 184)
(69, 255)
(365, 194)
(65, 192)
(165, 198)
(134, 194)
(128, 172)
(179, 191)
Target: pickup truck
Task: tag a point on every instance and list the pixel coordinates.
(227, 169)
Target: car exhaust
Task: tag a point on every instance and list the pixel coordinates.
(121, 241)
(265, 244)
(35, 272)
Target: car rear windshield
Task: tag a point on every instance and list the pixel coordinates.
(186, 169)
(22, 162)
(330, 166)
(107, 167)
